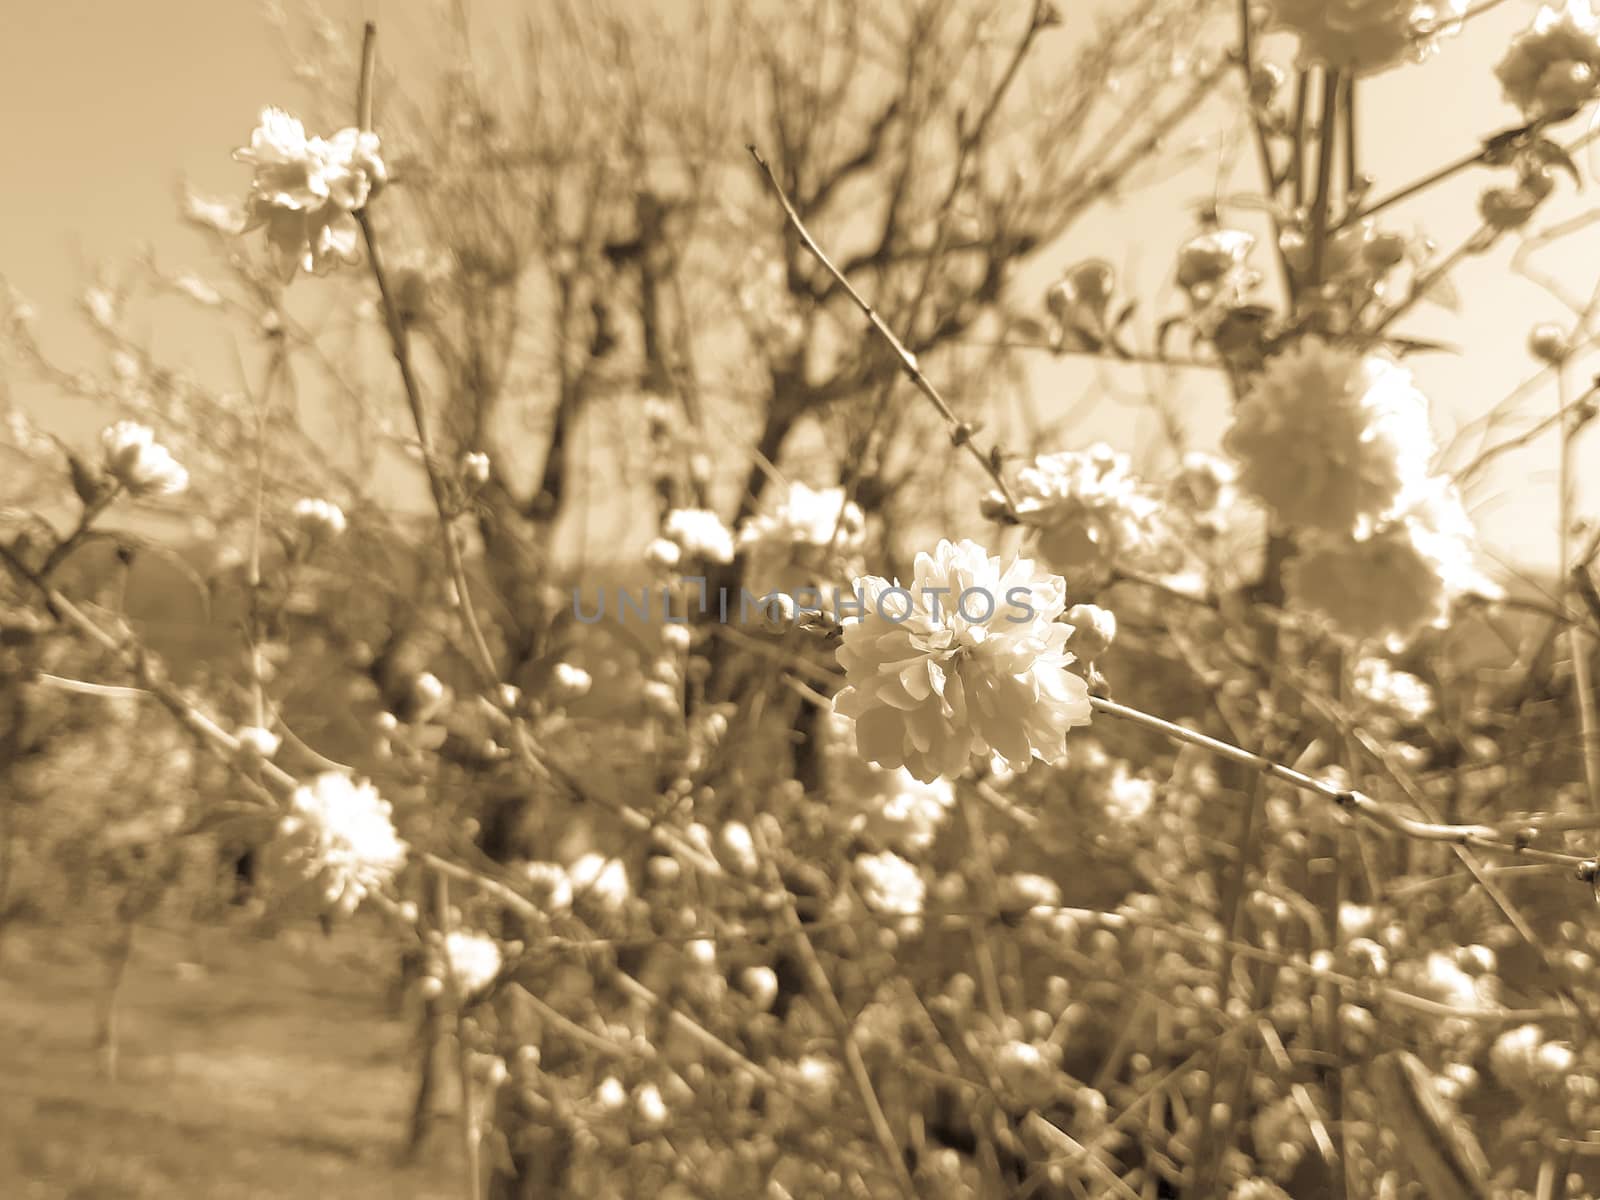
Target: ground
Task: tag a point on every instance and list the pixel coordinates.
(249, 1068)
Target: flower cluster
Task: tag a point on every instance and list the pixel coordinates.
(1554, 66)
(1400, 692)
(790, 546)
(340, 836)
(307, 188)
(474, 960)
(1088, 512)
(929, 688)
(1366, 35)
(1326, 436)
(1398, 578)
(140, 464)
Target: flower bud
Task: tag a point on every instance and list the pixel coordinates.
(1507, 208)
(1548, 343)
(1093, 629)
(663, 553)
(318, 520)
(568, 682)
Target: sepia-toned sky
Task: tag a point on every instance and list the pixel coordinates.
(106, 107)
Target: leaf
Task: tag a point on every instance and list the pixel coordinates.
(1554, 154)
(1031, 330)
(1441, 291)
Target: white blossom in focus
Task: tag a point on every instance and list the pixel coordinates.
(339, 835)
(700, 533)
(930, 689)
(1366, 35)
(139, 463)
(1326, 437)
(1554, 65)
(474, 960)
(306, 188)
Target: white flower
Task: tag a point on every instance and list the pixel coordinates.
(1555, 65)
(663, 554)
(600, 881)
(700, 534)
(807, 517)
(1378, 682)
(908, 814)
(1367, 35)
(550, 886)
(318, 519)
(569, 682)
(305, 189)
(970, 660)
(1128, 798)
(1087, 512)
(1204, 482)
(889, 884)
(474, 960)
(139, 463)
(1390, 581)
(1327, 437)
(339, 834)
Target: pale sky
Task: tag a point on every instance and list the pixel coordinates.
(105, 107)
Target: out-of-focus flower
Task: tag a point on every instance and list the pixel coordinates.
(198, 290)
(1128, 798)
(474, 960)
(318, 519)
(1081, 299)
(1379, 683)
(1366, 35)
(101, 305)
(139, 463)
(305, 189)
(663, 554)
(339, 835)
(930, 687)
(889, 884)
(1204, 482)
(1554, 65)
(807, 517)
(700, 533)
(1391, 581)
(662, 699)
(600, 881)
(226, 217)
(908, 813)
(1326, 436)
(550, 887)
(1213, 266)
(1088, 513)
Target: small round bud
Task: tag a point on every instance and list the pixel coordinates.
(474, 469)
(1548, 343)
(1093, 630)
(676, 637)
(663, 553)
